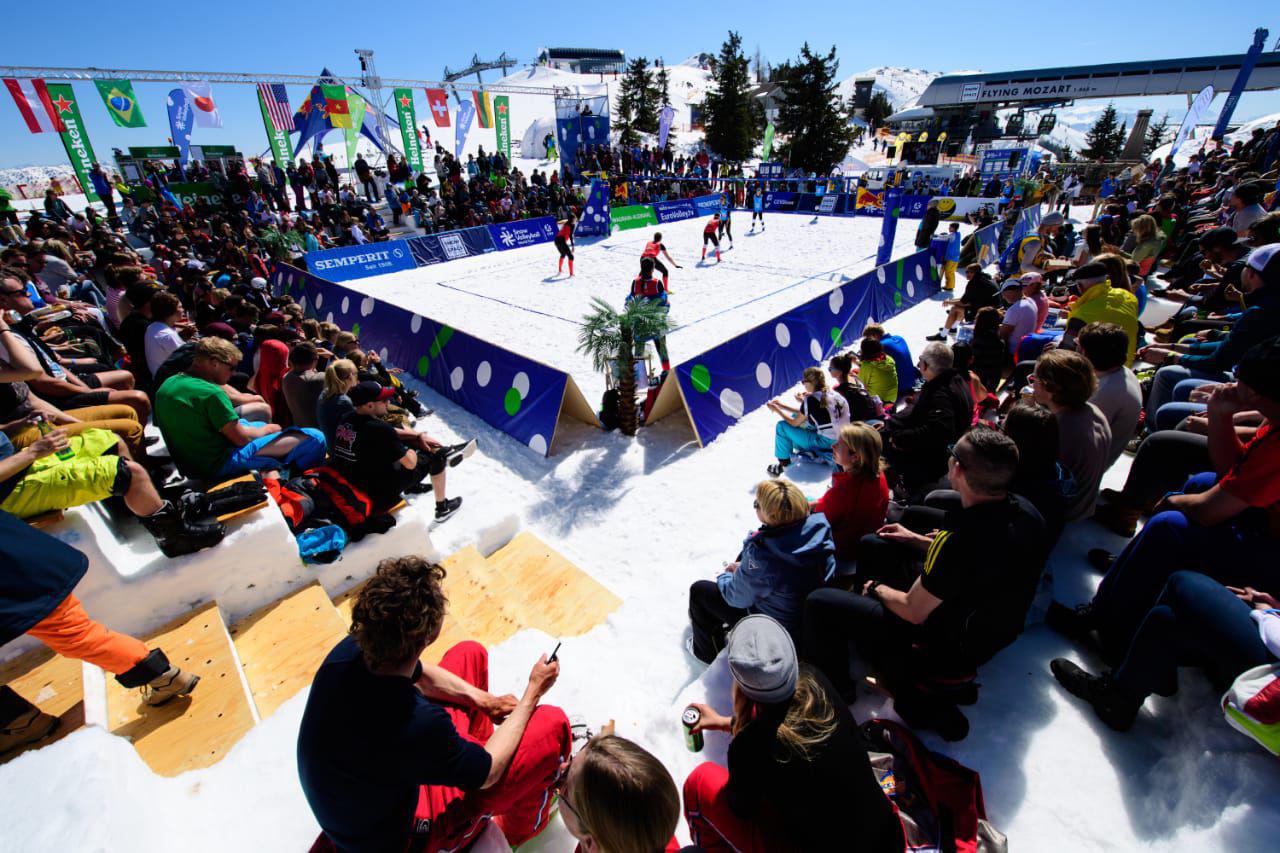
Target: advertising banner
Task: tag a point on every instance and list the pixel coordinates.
(525, 232)
(451, 245)
(707, 204)
(780, 202)
(1192, 118)
(664, 125)
(502, 124)
(349, 262)
(675, 211)
(633, 216)
(74, 137)
(408, 129)
(595, 213)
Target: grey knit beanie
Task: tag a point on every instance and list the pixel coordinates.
(762, 658)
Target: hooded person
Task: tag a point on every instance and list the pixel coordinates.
(273, 364)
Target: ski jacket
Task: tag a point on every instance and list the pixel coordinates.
(779, 567)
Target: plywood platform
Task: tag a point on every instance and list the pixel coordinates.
(556, 596)
(54, 684)
(282, 645)
(194, 731)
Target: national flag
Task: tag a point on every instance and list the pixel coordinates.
(276, 99)
(121, 103)
(439, 103)
(38, 111)
(335, 105)
(484, 113)
(200, 96)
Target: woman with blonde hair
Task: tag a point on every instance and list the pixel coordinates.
(339, 378)
(1148, 243)
(789, 556)
(855, 504)
(798, 775)
(616, 797)
(810, 427)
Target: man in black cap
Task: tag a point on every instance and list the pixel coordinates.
(372, 454)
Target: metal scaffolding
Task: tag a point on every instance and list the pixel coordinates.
(137, 75)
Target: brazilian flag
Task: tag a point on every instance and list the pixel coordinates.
(121, 103)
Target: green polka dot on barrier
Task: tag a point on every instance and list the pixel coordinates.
(424, 366)
(835, 335)
(512, 401)
(897, 298)
(442, 338)
(701, 378)
(355, 330)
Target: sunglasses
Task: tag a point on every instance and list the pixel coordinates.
(951, 451)
(559, 789)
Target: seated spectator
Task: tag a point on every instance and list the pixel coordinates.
(162, 337)
(1020, 315)
(1040, 477)
(787, 558)
(37, 599)
(133, 332)
(1220, 524)
(878, 372)
(334, 404)
(374, 457)
(961, 604)
(1119, 395)
(1100, 302)
(916, 439)
(855, 504)
(990, 355)
(895, 346)
(422, 766)
(861, 406)
(1064, 382)
(616, 796)
(798, 774)
(811, 427)
(303, 385)
(979, 293)
(206, 437)
(268, 379)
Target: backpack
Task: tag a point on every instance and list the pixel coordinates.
(1011, 259)
(352, 504)
(837, 413)
(938, 800)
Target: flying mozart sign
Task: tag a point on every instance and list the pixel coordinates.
(1028, 91)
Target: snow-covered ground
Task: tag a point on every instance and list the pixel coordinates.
(766, 272)
(648, 516)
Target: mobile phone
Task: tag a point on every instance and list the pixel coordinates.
(551, 658)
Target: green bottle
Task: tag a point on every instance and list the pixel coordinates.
(45, 429)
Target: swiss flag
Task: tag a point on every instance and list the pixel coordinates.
(32, 100)
(439, 102)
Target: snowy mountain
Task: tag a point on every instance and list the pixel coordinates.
(902, 86)
(34, 179)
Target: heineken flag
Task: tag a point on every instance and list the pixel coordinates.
(502, 117)
(281, 150)
(356, 107)
(118, 97)
(74, 137)
(408, 129)
(768, 142)
(335, 105)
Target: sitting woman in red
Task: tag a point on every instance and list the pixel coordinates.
(855, 504)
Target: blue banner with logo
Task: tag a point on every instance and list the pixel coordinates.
(466, 112)
(780, 202)
(707, 204)
(523, 232)
(675, 211)
(1237, 88)
(595, 221)
(347, 262)
(181, 117)
(510, 392)
(450, 245)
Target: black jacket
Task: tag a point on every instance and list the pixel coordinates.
(917, 438)
(39, 572)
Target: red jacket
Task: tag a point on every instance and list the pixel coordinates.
(854, 506)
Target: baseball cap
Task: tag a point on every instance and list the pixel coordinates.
(1053, 219)
(1011, 282)
(1219, 238)
(257, 282)
(762, 659)
(1031, 278)
(1265, 261)
(369, 392)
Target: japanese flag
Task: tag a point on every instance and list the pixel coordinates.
(32, 100)
(202, 105)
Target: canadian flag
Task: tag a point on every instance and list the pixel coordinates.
(33, 102)
(439, 102)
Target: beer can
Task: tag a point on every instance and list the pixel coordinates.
(689, 719)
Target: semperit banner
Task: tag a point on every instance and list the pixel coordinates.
(281, 150)
(502, 119)
(75, 139)
(408, 129)
(633, 216)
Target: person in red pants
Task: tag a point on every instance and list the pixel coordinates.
(36, 598)
(395, 754)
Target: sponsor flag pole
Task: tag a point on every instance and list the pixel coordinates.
(75, 139)
(281, 150)
(408, 129)
(502, 119)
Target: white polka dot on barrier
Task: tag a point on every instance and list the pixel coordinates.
(302, 303)
(484, 372)
(881, 243)
(319, 299)
(591, 209)
(911, 290)
(521, 384)
(328, 318)
(731, 403)
(456, 377)
(346, 304)
(764, 376)
(366, 306)
(836, 300)
(783, 334)
(919, 273)
(538, 445)
(382, 354)
(815, 350)
(880, 274)
(415, 325)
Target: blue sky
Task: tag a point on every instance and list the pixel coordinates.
(417, 40)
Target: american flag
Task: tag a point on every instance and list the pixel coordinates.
(276, 99)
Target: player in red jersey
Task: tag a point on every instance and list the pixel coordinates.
(564, 242)
(710, 235)
(652, 249)
(648, 288)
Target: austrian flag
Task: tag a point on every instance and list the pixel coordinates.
(38, 111)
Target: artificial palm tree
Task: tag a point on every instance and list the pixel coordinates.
(610, 336)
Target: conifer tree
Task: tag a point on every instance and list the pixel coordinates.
(877, 110)
(637, 101)
(1101, 141)
(732, 119)
(1157, 134)
(811, 118)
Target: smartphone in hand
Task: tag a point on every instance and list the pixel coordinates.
(551, 658)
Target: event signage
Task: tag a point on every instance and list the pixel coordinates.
(180, 123)
(707, 204)
(1030, 91)
(281, 151)
(121, 103)
(466, 112)
(780, 202)
(594, 221)
(674, 211)
(664, 125)
(633, 216)
(523, 232)
(771, 171)
(74, 137)
(408, 129)
(431, 249)
(1192, 118)
(502, 124)
(348, 262)
(828, 203)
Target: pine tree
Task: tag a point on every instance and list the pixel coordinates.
(810, 117)
(1157, 134)
(732, 119)
(1121, 137)
(637, 101)
(877, 110)
(662, 83)
(1101, 140)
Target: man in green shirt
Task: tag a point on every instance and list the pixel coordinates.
(208, 441)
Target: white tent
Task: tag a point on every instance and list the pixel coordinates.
(531, 147)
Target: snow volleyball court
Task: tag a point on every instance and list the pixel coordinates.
(517, 300)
